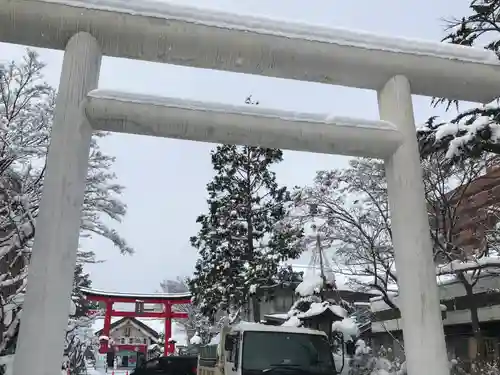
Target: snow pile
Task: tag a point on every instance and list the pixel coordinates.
(312, 284)
(348, 327)
(196, 339)
(292, 322)
(215, 340)
(365, 361)
(253, 289)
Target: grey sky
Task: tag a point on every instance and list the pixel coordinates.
(165, 179)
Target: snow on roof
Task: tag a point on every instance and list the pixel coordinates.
(459, 266)
(318, 308)
(257, 327)
(310, 285)
(446, 273)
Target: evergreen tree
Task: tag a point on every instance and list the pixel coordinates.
(81, 280)
(476, 131)
(243, 238)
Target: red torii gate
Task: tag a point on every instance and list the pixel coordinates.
(168, 300)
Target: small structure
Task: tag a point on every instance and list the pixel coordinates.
(310, 313)
(321, 317)
(128, 340)
(167, 300)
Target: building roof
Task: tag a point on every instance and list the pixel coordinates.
(135, 321)
(157, 325)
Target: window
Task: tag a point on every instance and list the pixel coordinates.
(131, 340)
(138, 340)
(261, 350)
(127, 331)
(122, 340)
(145, 341)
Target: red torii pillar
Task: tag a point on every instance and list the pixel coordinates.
(169, 347)
(104, 344)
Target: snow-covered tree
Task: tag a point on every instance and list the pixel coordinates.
(27, 106)
(367, 362)
(243, 239)
(448, 192)
(180, 285)
(177, 285)
(476, 131)
(196, 324)
(79, 340)
(81, 280)
(352, 205)
(351, 212)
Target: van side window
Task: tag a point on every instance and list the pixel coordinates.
(234, 353)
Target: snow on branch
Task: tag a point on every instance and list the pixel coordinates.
(472, 133)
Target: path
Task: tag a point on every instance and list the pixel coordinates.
(110, 372)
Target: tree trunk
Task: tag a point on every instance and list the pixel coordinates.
(250, 247)
(255, 309)
(476, 327)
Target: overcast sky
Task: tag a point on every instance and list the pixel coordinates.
(165, 179)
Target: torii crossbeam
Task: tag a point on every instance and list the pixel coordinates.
(168, 300)
(155, 31)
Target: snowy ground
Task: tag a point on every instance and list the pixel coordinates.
(110, 372)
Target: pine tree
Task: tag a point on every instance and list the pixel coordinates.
(243, 238)
(476, 131)
(81, 280)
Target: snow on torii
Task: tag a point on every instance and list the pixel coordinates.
(395, 67)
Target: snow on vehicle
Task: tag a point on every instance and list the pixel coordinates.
(255, 349)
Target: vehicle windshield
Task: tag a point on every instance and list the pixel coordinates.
(267, 352)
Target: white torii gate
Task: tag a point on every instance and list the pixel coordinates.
(152, 31)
